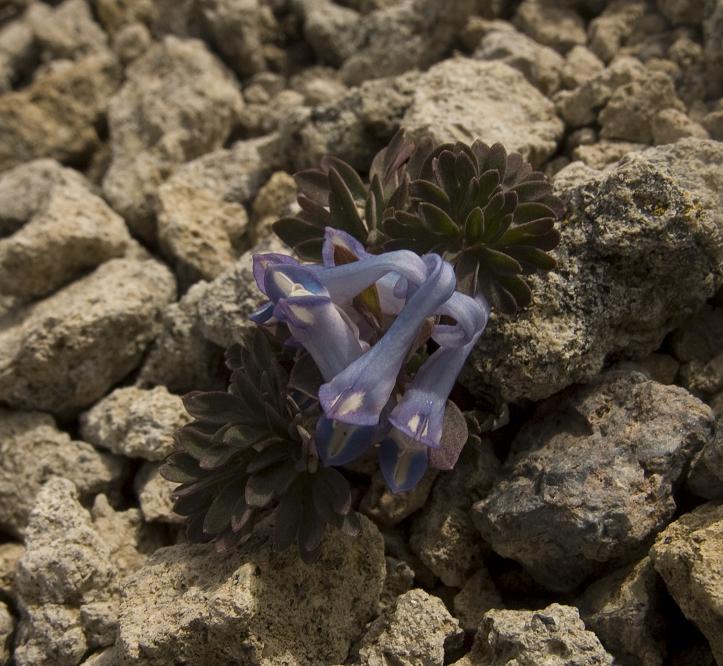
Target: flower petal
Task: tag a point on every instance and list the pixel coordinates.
(282, 280)
(262, 261)
(336, 238)
(471, 316)
(340, 443)
(402, 462)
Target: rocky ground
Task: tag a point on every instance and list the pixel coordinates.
(145, 147)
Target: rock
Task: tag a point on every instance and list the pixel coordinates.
(68, 577)
(66, 31)
(551, 24)
(73, 232)
(332, 31)
(33, 451)
(682, 12)
(591, 477)
(56, 115)
(705, 478)
(275, 198)
(318, 85)
(65, 352)
(178, 102)
(413, 632)
(688, 557)
(626, 612)
(713, 47)
(155, 495)
(26, 189)
(554, 636)
(7, 628)
(264, 110)
(661, 368)
(461, 99)
(387, 508)
(581, 65)
(190, 603)
(135, 422)
(541, 65)
(443, 534)
(631, 111)
(601, 154)
(131, 42)
(399, 579)
(609, 31)
(202, 222)
(619, 291)
(478, 595)
(17, 53)
(713, 124)
(10, 553)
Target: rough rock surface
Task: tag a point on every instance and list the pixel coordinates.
(177, 103)
(7, 626)
(461, 99)
(688, 555)
(413, 632)
(134, 422)
(33, 450)
(155, 495)
(478, 595)
(625, 610)
(10, 553)
(551, 23)
(591, 477)
(641, 249)
(63, 353)
(554, 636)
(705, 478)
(255, 607)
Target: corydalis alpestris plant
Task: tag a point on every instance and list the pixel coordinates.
(360, 346)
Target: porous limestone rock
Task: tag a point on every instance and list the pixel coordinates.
(17, 53)
(155, 495)
(10, 553)
(689, 557)
(65, 352)
(551, 23)
(604, 152)
(7, 627)
(626, 612)
(443, 535)
(609, 31)
(682, 12)
(73, 232)
(462, 99)
(553, 636)
(705, 477)
(641, 250)
(178, 102)
(414, 631)
(56, 115)
(713, 47)
(253, 606)
(33, 450)
(131, 42)
(581, 65)
(591, 477)
(478, 595)
(135, 422)
(671, 125)
(399, 579)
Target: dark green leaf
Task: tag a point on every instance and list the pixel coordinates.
(213, 406)
(344, 213)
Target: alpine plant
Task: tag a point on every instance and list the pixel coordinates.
(360, 339)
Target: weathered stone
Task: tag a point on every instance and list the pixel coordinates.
(689, 557)
(178, 102)
(554, 636)
(682, 12)
(461, 99)
(629, 114)
(414, 631)
(7, 627)
(399, 579)
(134, 422)
(333, 31)
(641, 250)
(541, 65)
(202, 222)
(713, 47)
(443, 535)
(275, 198)
(551, 24)
(131, 42)
(609, 31)
(318, 85)
(17, 53)
(591, 477)
(115, 14)
(478, 595)
(599, 155)
(65, 352)
(56, 115)
(189, 603)
(34, 450)
(581, 65)
(73, 232)
(705, 478)
(10, 553)
(660, 367)
(626, 612)
(155, 495)
(387, 508)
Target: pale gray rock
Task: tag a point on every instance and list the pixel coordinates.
(190, 603)
(65, 352)
(318, 85)
(10, 553)
(443, 535)
(689, 557)
(26, 189)
(265, 112)
(705, 478)
(155, 495)
(274, 199)
(56, 115)
(116, 14)
(462, 99)
(605, 152)
(591, 477)
(131, 41)
(626, 612)
(581, 65)
(713, 47)
(73, 232)
(178, 102)
(413, 632)
(631, 110)
(641, 251)
(17, 53)
(553, 636)
(202, 222)
(135, 422)
(7, 627)
(332, 30)
(551, 23)
(609, 31)
(713, 124)
(33, 451)
(478, 595)
(541, 65)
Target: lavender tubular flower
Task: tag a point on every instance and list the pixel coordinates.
(359, 393)
(402, 461)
